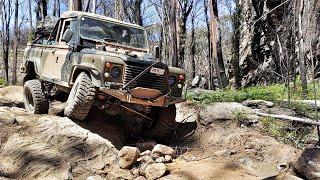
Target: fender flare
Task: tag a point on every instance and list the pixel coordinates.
(92, 71)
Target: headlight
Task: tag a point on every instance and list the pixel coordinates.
(115, 72)
(171, 80)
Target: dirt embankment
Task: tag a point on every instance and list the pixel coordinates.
(49, 146)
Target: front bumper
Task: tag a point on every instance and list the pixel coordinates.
(162, 101)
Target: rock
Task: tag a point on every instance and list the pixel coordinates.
(146, 159)
(148, 145)
(7, 118)
(163, 150)
(279, 111)
(223, 111)
(196, 81)
(135, 172)
(142, 168)
(203, 83)
(186, 112)
(160, 160)
(308, 163)
(286, 176)
(258, 103)
(51, 147)
(119, 174)
(310, 103)
(140, 178)
(128, 156)
(96, 177)
(167, 158)
(154, 156)
(154, 171)
(147, 152)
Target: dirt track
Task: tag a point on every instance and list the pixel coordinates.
(222, 150)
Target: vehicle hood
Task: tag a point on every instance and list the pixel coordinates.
(132, 57)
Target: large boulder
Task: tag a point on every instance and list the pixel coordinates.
(163, 150)
(155, 171)
(258, 103)
(51, 147)
(308, 163)
(128, 156)
(224, 111)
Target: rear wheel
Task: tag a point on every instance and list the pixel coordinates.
(164, 127)
(80, 98)
(34, 99)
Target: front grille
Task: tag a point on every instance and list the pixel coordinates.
(148, 80)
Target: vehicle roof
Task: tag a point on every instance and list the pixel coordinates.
(69, 14)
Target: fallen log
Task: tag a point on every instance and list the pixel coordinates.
(289, 118)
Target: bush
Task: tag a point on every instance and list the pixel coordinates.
(269, 93)
(2, 81)
(287, 132)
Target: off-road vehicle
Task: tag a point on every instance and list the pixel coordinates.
(99, 61)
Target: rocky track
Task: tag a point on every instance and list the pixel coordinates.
(54, 147)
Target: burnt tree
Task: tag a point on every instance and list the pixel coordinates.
(173, 33)
(15, 43)
(216, 45)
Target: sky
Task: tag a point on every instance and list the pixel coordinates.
(149, 12)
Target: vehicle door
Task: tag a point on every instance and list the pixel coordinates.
(58, 52)
(34, 53)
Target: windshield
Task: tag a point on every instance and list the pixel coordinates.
(112, 32)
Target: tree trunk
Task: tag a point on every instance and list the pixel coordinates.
(173, 33)
(301, 55)
(5, 12)
(235, 48)
(193, 48)
(87, 6)
(119, 10)
(54, 11)
(15, 43)
(30, 15)
(94, 6)
(210, 78)
(216, 44)
(58, 8)
(137, 12)
(43, 9)
(185, 9)
(75, 5)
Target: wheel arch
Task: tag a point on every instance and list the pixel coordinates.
(92, 73)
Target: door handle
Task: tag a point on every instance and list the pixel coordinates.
(57, 60)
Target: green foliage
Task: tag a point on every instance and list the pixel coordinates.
(269, 93)
(242, 118)
(294, 134)
(2, 81)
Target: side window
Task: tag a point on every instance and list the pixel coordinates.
(72, 26)
(41, 40)
(54, 35)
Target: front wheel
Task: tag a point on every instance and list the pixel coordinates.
(164, 126)
(34, 99)
(80, 98)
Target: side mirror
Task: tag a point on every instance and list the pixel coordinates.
(67, 36)
(156, 52)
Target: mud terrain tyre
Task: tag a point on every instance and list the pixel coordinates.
(81, 98)
(34, 99)
(164, 127)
